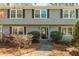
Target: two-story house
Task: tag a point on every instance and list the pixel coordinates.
(24, 18)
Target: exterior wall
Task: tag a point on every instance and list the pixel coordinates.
(32, 28)
(54, 19)
(6, 30)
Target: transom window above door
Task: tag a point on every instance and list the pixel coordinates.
(69, 14)
(16, 13)
(40, 13)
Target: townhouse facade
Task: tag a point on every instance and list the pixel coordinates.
(26, 18)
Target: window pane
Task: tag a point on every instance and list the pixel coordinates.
(64, 31)
(14, 30)
(19, 13)
(37, 13)
(13, 13)
(65, 14)
(21, 30)
(43, 13)
(72, 14)
(70, 31)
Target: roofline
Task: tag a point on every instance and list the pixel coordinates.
(39, 7)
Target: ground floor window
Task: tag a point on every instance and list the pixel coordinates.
(67, 30)
(17, 30)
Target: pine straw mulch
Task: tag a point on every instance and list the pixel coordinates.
(61, 50)
(13, 51)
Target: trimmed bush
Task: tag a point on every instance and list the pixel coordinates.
(56, 36)
(67, 39)
(36, 36)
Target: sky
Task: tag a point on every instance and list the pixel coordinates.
(39, 1)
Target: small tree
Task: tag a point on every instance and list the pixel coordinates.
(76, 33)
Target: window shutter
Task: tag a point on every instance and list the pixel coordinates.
(25, 30)
(10, 30)
(8, 13)
(47, 13)
(76, 13)
(61, 13)
(32, 13)
(59, 29)
(23, 13)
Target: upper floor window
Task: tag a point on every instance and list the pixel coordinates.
(69, 14)
(1, 14)
(16, 13)
(40, 13)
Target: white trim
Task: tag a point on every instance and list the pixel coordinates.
(69, 13)
(16, 13)
(17, 27)
(40, 14)
(1, 30)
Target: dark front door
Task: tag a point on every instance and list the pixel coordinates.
(44, 32)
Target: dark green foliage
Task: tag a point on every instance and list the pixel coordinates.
(76, 33)
(36, 36)
(56, 36)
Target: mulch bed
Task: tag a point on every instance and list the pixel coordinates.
(13, 51)
(62, 50)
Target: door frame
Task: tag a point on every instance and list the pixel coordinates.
(46, 34)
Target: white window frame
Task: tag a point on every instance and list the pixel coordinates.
(69, 13)
(67, 29)
(40, 14)
(1, 31)
(17, 27)
(15, 14)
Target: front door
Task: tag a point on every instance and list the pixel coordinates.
(44, 32)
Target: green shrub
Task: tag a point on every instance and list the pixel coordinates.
(76, 33)
(36, 36)
(56, 36)
(67, 39)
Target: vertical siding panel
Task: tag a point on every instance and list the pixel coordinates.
(76, 13)
(59, 29)
(61, 13)
(25, 30)
(23, 13)
(32, 13)
(8, 13)
(48, 13)
(10, 30)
